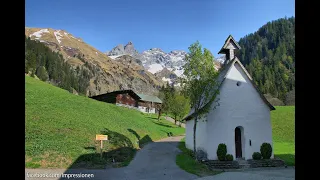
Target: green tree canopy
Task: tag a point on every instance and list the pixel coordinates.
(200, 84)
(180, 106)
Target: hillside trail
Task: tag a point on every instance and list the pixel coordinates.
(172, 120)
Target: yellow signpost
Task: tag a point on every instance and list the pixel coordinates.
(101, 138)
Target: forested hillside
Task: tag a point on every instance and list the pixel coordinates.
(50, 66)
(269, 56)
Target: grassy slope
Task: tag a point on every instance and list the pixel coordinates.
(185, 161)
(283, 120)
(61, 128)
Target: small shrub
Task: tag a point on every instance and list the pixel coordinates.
(201, 155)
(222, 151)
(266, 150)
(256, 156)
(229, 157)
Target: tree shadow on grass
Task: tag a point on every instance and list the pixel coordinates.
(289, 159)
(117, 139)
(165, 125)
(93, 164)
(134, 133)
(146, 139)
(90, 148)
(117, 150)
(169, 134)
(153, 118)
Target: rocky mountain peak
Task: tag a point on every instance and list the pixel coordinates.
(156, 49)
(128, 49)
(118, 50)
(178, 52)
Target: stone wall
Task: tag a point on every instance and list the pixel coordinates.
(215, 164)
(266, 163)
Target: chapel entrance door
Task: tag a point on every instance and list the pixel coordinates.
(238, 142)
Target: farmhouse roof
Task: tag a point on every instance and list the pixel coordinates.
(149, 98)
(141, 97)
(130, 92)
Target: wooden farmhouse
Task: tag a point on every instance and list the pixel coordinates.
(130, 99)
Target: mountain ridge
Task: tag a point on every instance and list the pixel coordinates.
(158, 62)
(108, 75)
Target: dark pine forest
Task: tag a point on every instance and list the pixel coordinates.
(269, 56)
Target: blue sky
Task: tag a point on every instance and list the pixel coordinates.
(166, 24)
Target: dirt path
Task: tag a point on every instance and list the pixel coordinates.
(155, 161)
(172, 120)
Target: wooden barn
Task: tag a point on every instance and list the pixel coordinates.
(130, 99)
(148, 103)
